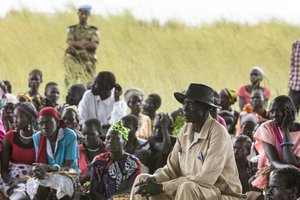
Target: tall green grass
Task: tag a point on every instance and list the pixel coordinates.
(155, 58)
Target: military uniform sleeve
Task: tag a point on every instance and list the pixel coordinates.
(95, 35)
(70, 36)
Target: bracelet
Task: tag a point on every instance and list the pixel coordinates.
(287, 143)
(58, 167)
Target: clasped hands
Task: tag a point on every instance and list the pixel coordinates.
(149, 187)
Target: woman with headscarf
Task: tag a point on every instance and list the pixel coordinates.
(56, 150)
(134, 99)
(114, 172)
(244, 92)
(18, 151)
(227, 98)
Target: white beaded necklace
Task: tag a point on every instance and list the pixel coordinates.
(93, 150)
(24, 137)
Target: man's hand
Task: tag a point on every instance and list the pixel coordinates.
(149, 187)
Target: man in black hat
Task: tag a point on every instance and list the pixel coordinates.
(201, 164)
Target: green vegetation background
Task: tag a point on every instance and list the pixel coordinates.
(155, 58)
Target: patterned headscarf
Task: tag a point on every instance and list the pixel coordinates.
(28, 108)
(120, 128)
(231, 94)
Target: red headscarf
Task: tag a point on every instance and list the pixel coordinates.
(49, 112)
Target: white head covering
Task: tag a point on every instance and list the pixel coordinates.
(258, 69)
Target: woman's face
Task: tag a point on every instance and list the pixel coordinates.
(9, 111)
(224, 100)
(255, 76)
(136, 104)
(52, 93)
(70, 118)
(257, 99)
(21, 119)
(277, 112)
(114, 142)
(47, 125)
(91, 135)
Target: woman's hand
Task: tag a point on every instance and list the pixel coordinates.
(288, 119)
(39, 170)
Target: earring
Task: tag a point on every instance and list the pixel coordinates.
(29, 127)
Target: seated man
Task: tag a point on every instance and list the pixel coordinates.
(284, 184)
(152, 104)
(99, 102)
(201, 164)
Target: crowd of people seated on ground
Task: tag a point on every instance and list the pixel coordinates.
(95, 143)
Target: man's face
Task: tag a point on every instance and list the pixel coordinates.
(277, 189)
(193, 111)
(240, 150)
(248, 127)
(73, 96)
(257, 99)
(52, 93)
(91, 135)
(83, 17)
(70, 119)
(149, 105)
(34, 81)
(101, 88)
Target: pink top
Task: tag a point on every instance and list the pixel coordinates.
(81, 161)
(242, 92)
(222, 121)
(270, 133)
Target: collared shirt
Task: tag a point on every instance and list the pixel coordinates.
(294, 78)
(208, 161)
(92, 106)
(66, 148)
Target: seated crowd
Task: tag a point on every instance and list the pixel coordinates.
(98, 145)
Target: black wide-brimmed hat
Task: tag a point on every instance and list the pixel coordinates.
(197, 92)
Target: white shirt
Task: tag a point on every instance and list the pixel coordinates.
(92, 106)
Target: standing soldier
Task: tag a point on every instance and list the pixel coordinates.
(80, 57)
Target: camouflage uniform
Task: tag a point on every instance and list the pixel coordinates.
(80, 63)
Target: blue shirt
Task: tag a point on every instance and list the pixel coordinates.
(66, 148)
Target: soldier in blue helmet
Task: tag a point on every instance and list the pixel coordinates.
(83, 40)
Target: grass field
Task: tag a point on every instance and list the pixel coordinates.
(160, 59)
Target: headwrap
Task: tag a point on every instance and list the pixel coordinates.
(24, 97)
(131, 93)
(72, 108)
(42, 151)
(248, 117)
(258, 69)
(28, 108)
(11, 99)
(231, 94)
(121, 129)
